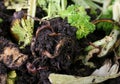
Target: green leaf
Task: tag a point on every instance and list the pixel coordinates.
(52, 7)
(11, 77)
(1, 20)
(23, 31)
(12, 74)
(106, 26)
(77, 17)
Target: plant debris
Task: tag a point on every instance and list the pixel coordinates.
(10, 54)
(59, 42)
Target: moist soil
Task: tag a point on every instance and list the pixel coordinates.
(54, 49)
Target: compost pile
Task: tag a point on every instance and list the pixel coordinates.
(53, 49)
(54, 46)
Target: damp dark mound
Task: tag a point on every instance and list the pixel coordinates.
(55, 44)
(54, 49)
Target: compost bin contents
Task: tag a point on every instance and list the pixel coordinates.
(53, 49)
(66, 40)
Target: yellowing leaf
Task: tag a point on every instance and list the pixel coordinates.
(11, 77)
(12, 74)
(23, 30)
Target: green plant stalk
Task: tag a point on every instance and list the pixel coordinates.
(58, 5)
(114, 34)
(99, 43)
(115, 31)
(106, 46)
(102, 47)
(92, 4)
(49, 9)
(99, 1)
(64, 4)
(31, 11)
(52, 8)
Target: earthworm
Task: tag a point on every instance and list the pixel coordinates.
(41, 68)
(47, 26)
(54, 34)
(31, 68)
(48, 54)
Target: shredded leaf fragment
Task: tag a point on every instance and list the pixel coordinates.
(104, 73)
(76, 16)
(11, 77)
(23, 30)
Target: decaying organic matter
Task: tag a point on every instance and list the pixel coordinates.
(10, 54)
(3, 74)
(60, 47)
(54, 42)
(53, 49)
